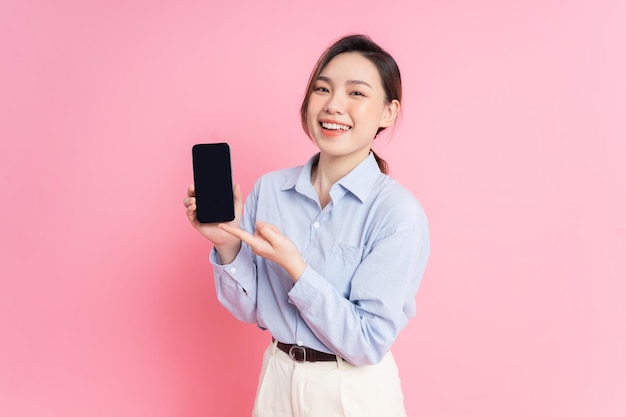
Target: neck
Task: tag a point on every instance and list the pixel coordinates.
(327, 171)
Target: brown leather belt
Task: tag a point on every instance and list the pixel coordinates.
(305, 354)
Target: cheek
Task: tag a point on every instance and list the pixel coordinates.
(312, 111)
(315, 103)
(369, 114)
(310, 118)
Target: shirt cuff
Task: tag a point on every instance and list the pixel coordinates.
(241, 269)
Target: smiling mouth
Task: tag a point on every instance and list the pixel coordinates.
(334, 126)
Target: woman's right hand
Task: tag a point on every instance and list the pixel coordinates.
(225, 243)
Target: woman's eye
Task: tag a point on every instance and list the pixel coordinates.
(357, 93)
(321, 89)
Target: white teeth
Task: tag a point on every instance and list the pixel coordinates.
(334, 126)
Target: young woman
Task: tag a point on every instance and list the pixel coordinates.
(328, 256)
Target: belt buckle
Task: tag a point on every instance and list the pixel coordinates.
(297, 353)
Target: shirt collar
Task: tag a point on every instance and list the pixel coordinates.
(359, 181)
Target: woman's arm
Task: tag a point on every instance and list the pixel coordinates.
(362, 327)
(236, 276)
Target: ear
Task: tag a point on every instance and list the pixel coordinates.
(389, 113)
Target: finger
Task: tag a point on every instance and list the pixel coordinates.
(268, 231)
(264, 225)
(191, 191)
(238, 232)
(237, 199)
(189, 201)
(191, 213)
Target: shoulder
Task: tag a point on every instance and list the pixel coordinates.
(279, 178)
(396, 203)
(274, 181)
(268, 186)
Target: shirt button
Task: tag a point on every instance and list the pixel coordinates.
(300, 343)
(233, 270)
(316, 225)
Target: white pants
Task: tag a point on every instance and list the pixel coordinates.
(327, 389)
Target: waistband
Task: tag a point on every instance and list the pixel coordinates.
(304, 354)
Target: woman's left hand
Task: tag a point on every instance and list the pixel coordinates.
(271, 244)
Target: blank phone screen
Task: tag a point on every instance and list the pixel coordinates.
(212, 176)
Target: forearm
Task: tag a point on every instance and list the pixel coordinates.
(235, 285)
(295, 267)
(362, 324)
(360, 334)
(228, 252)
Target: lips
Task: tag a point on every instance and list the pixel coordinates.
(333, 128)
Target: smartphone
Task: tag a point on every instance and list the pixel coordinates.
(212, 177)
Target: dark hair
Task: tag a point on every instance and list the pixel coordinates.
(384, 62)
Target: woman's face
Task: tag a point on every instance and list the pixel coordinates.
(347, 106)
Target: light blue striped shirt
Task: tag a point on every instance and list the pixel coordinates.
(366, 251)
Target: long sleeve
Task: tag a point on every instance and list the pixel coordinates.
(366, 252)
(362, 327)
(236, 283)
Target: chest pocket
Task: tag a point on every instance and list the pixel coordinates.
(343, 262)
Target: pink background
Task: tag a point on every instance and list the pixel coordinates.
(513, 137)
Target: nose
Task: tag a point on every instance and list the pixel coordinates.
(335, 105)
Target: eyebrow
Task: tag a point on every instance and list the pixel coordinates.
(358, 82)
